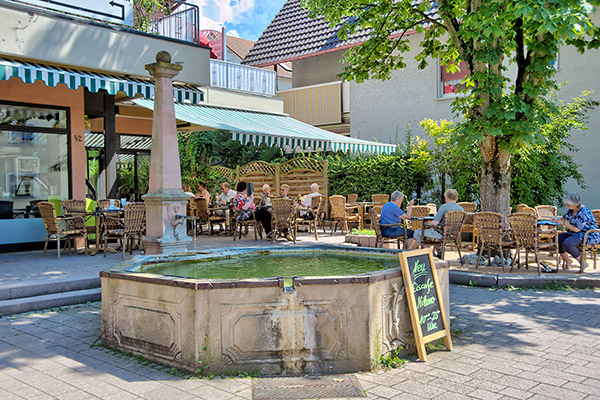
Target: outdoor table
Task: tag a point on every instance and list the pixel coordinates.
(362, 208)
(424, 219)
(228, 212)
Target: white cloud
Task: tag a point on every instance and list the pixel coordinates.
(221, 11)
(233, 33)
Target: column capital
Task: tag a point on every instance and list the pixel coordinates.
(163, 66)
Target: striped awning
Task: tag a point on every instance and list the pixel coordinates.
(52, 76)
(273, 129)
(95, 140)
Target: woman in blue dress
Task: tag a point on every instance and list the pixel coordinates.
(577, 221)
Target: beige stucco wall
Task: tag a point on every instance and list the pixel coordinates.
(229, 98)
(47, 39)
(316, 70)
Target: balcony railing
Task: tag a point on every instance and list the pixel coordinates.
(174, 19)
(242, 78)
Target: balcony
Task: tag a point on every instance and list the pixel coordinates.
(242, 78)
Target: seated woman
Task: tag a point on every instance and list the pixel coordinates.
(244, 205)
(391, 213)
(577, 221)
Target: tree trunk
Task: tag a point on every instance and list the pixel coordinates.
(495, 177)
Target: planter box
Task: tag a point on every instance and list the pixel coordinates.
(367, 241)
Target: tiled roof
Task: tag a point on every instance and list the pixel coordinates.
(293, 34)
(239, 46)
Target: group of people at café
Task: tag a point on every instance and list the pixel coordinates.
(243, 204)
(576, 221)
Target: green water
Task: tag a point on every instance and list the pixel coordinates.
(272, 265)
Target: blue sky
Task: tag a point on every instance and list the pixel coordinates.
(246, 19)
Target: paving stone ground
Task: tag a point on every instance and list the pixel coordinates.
(514, 345)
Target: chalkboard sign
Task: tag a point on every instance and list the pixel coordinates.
(424, 298)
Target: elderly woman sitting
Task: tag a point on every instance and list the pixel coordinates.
(243, 204)
(577, 221)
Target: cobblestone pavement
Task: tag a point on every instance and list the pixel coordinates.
(514, 344)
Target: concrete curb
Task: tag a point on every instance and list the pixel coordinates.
(522, 281)
(21, 305)
(29, 290)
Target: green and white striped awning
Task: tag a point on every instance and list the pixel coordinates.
(273, 129)
(52, 76)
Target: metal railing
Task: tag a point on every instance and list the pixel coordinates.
(242, 78)
(174, 19)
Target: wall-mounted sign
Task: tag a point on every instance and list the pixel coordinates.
(116, 11)
(424, 297)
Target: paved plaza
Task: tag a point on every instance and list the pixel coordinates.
(514, 344)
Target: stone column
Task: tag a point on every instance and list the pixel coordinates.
(165, 200)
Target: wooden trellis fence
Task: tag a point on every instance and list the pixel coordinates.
(298, 173)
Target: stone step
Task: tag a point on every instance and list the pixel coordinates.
(26, 304)
(31, 290)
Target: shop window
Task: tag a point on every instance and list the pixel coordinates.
(34, 157)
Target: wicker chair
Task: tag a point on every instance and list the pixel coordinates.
(245, 224)
(204, 215)
(469, 224)
(125, 229)
(72, 227)
(545, 212)
(380, 239)
(432, 208)
(75, 208)
(491, 234)
(340, 214)
(451, 232)
(520, 207)
(352, 198)
(418, 211)
(380, 198)
(529, 237)
(283, 217)
(317, 206)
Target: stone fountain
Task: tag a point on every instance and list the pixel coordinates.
(165, 200)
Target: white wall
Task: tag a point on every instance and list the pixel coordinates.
(316, 70)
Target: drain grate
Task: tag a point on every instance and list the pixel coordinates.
(306, 387)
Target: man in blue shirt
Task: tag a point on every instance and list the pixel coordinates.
(391, 213)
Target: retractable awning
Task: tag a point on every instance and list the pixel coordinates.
(273, 129)
(52, 76)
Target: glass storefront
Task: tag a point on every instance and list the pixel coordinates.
(34, 158)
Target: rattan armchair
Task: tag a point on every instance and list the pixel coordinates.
(205, 215)
(340, 214)
(65, 227)
(432, 208)
(317, 206)
(75, 208)
(352, 198)
(469, 224)
(380, 198)
(451, 232)
(125, 229)
(529, 237)
(246, 224)
(378, 228)
(283, 218)
(545, 211)
(491, 234)
(418, 211)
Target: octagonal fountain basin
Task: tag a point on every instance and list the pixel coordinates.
(274, 310)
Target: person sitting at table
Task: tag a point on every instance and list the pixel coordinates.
(188, 190)
(244, 205)
(451, 196)
(226, 194)
(577, 221)
(307, 202)
(391, 213)
(284, 191)
(202, 192)
(265, 199)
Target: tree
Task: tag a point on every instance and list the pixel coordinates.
(499, 114)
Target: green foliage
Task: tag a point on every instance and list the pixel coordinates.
(539, 170)
(362, 232)
(501, 114)
(393, 359)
